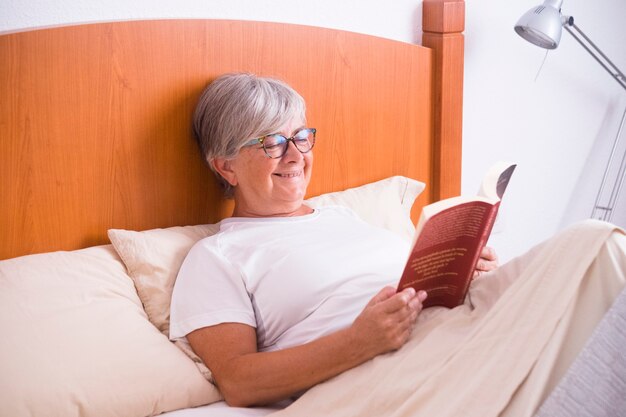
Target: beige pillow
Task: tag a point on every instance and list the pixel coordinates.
(153, 257)
(76, 341)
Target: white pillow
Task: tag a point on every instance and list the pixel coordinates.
(76, 341)
(153, 257)
(386, 203)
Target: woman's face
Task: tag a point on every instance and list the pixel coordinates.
(271, 187)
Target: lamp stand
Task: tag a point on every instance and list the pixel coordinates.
(604, 211)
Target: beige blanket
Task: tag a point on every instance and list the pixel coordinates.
(498, 353)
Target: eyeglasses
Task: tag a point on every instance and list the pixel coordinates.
(275, 145)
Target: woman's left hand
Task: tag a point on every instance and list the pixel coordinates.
(488, 261)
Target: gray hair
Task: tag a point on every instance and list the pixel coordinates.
(236, 108)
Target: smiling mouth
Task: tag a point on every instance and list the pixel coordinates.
(289, 174)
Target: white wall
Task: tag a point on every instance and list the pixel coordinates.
(558, 128)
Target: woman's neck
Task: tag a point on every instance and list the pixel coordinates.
(242, 211)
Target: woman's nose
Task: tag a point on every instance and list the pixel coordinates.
(292, 153)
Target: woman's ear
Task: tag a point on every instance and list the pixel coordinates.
(224, 167)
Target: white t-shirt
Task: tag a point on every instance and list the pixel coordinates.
(294, 279)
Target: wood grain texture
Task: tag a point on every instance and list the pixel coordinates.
(443, 16)
(443, 22)
(95, 120)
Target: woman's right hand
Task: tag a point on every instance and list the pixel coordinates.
(386, 322)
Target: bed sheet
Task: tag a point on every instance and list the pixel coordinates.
(595, 385)
(221, 409)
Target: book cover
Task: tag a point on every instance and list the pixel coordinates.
(449, 238)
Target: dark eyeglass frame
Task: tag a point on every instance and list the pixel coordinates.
(285, 144)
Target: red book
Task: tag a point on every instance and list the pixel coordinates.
(448, 240)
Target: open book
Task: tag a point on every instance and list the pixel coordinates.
(448, 240)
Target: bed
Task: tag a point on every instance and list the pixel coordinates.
(103, 190)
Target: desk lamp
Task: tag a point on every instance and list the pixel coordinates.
(542, 26)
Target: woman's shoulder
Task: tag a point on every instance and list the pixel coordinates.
(208, 246)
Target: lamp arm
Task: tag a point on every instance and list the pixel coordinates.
(595, 52)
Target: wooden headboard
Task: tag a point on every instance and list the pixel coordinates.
(95, 119)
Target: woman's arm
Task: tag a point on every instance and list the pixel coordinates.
(247, 377)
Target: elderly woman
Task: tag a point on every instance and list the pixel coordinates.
(267, 303)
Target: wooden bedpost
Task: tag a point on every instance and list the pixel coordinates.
(443, 24)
